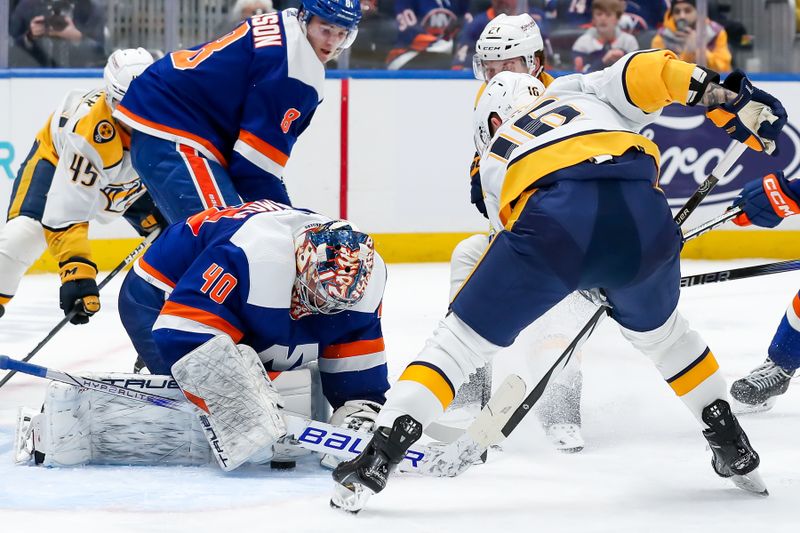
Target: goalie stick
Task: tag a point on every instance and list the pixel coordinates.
(435, 460)
(125, 262)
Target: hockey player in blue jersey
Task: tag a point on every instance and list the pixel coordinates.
(574, 187)
(289, 285)
(766, 202)
(215, 124)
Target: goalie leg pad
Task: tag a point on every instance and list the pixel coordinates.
(237, 404)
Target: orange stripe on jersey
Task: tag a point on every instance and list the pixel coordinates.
(174, 131)
(352, 349)
(796, 304)
(273, 375)
(203, 317)
(144, 265)
(264, 148)
(209, 192)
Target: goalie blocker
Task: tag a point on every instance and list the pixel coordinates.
(79, 426)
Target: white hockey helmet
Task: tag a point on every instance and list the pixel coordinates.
(122, 67)
(507, 37)
(506, 93)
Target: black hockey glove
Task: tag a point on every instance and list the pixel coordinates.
(79, 288)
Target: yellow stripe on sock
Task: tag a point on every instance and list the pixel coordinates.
(432, 379)
(693, 375)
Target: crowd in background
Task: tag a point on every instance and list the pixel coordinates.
(580, 35)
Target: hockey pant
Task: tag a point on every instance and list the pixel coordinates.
(183, 181)
(784, 350)
(621, 238)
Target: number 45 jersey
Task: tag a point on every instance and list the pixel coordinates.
(79, 169)
(580, 122)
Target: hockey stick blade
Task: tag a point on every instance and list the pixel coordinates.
(454, 458)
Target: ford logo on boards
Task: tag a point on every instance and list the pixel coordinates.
(691, 146)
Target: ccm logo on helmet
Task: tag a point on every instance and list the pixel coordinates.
(266, 31)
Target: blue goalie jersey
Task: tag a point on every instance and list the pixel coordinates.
(241, 100)
(232, 271)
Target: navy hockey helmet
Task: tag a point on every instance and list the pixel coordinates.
(334, 266)
(344, 13)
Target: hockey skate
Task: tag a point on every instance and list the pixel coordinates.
(367, 474)
(758, 390)
(559, 411)
(733, 456)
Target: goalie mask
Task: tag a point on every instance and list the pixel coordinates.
(507, 93)
(334, 266)
(507, 37)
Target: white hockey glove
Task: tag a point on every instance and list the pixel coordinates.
(239, 408)
(358, 415)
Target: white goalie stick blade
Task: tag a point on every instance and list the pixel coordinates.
(752, 482)
(448, 460)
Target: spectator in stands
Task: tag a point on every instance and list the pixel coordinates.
(643, 15)
(469, 35)
(58, 33)
(679, 35)
(426, 30)
(604, 43)
(569, 13)
(241, 10)
(377, 35)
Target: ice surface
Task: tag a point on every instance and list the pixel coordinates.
(645, 467)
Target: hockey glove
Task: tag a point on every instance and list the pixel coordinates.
(476, 191)
(358, 415)
(766, 202)
(754, 118)
(79, 288)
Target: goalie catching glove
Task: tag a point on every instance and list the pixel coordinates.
(766, 202)
(79, 289)
(238, 406)
(754, 117)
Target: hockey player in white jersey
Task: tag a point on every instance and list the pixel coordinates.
(574, 187)
(78, 170)
(515, 44)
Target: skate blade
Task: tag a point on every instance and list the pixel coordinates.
(23, 442)
(350, 499)
(752, 482)
(740, 408)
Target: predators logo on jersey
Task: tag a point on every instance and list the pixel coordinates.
(120, 196)
(104, 132)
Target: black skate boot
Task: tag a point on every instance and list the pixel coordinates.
(139, 365)
(367, 474)
(733, 456)
(757, 391)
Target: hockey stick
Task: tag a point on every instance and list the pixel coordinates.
(741, 273)
(705, 188)
(443, 460)
(711, 224)
(722, 168)
(63, 322)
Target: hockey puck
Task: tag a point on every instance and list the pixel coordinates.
(282, 465)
